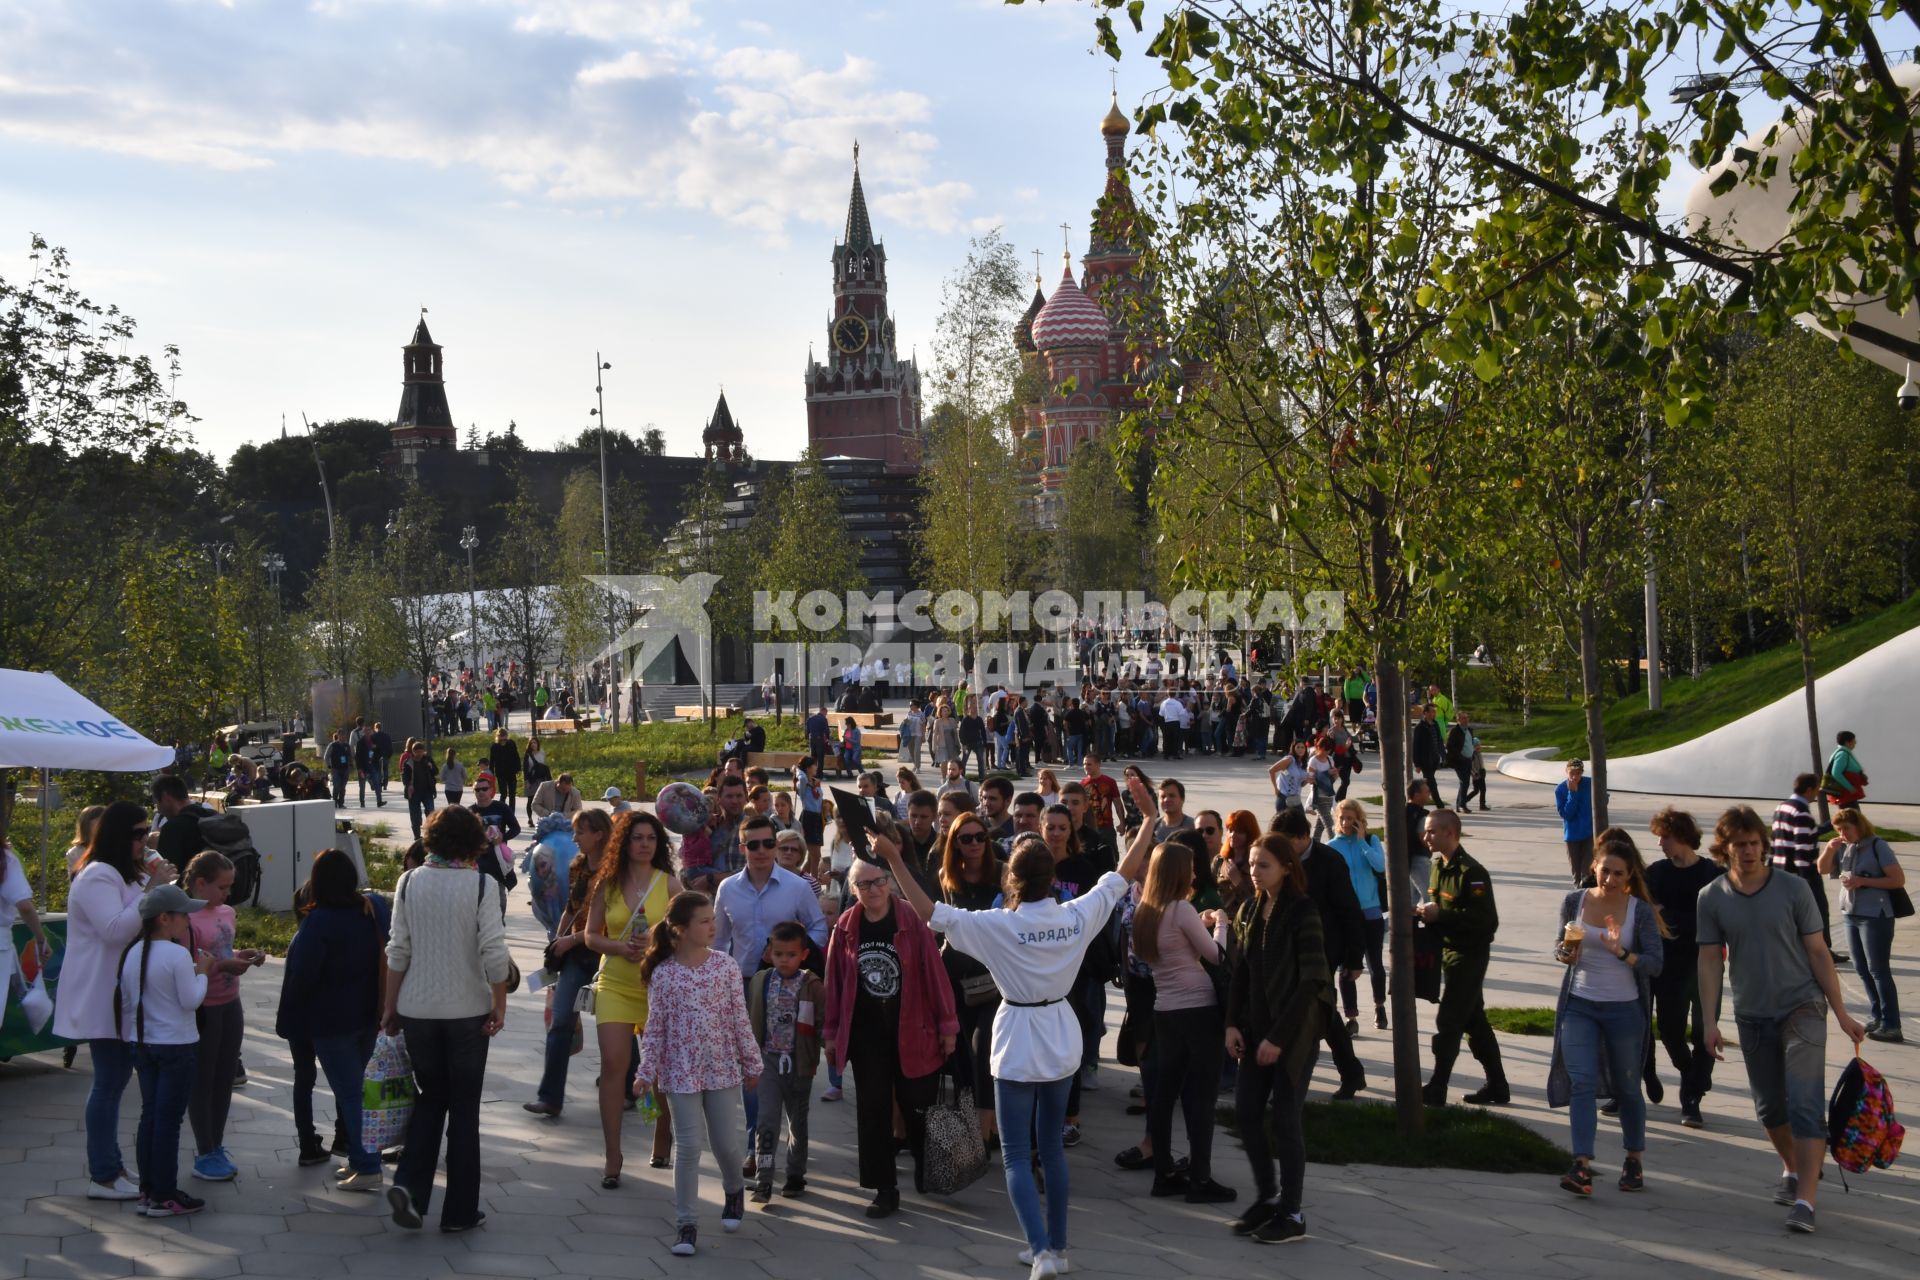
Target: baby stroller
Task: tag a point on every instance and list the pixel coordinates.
(1367, 738)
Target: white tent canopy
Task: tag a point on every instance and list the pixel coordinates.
(46, 725)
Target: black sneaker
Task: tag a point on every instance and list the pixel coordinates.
(1490, 1095)
(884, 1204)
(796, 1186)
(455, 1228)
(1281, 1228)
(1632, 1176)
(404, 1213)
(684, 1244)
(311, 1152)
(1611, 1107)
(1207, 1191)
(1578, 1180)
(1177, 1184)
(1380, 1017)
(733, 1211)
(1690, 1115)
(1348, 1088)
(1256, 1216)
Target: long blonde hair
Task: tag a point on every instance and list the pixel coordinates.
(1169, 880)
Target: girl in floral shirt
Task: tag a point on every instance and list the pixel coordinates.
(697, 1052)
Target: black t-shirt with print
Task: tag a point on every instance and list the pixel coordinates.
(876, 998)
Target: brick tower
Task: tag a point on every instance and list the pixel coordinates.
(424, 421)
(863, 401)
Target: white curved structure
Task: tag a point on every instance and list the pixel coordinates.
(1755, 215)
(1877, 696)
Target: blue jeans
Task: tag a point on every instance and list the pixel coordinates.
(166, 1082)
(1618, 1029)
(1786, 1061)
(577, 968)
(112, 1068)
(1870, 938)
(344, 1060)
(1093, 1020)
(1076, 747)
(1025, 1108)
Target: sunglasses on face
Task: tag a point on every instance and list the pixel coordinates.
(1209, 831)
(140, 833)
(752, 846)
(972, 837)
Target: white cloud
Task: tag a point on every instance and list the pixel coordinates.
(570, 100)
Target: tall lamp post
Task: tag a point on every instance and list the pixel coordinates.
(469, 541)
(275, 564)
(599, 412)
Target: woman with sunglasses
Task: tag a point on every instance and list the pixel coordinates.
(103, 918)
(890, 1016)
(970, 878)
(1610, 942)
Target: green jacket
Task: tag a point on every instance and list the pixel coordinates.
(1468, 919)
(806, 1036)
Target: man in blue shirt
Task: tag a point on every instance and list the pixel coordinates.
(750, 903)
(1574, 799)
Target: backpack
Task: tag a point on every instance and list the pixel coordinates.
(227, 833)
(1862, 1132)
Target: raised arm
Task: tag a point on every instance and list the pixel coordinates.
(903, 879)
(1142, 842)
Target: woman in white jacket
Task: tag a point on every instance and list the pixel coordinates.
(103, 916)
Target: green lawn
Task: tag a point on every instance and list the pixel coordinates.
(1521, 1022)
(1456, 1138)
(1693, 707)
(599, 759)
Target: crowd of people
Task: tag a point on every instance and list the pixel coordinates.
(972, 930)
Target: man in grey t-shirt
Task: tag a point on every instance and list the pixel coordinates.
(1783, 984)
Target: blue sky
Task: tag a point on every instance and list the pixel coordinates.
(278, 186)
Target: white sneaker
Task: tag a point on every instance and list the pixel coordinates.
(121, 1188)
(1046, 1265)
(1061, 1264)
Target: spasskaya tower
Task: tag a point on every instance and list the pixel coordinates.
(863, 401)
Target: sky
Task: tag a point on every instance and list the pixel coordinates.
(278, 186)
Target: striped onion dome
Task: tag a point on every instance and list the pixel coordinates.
(1070, 318)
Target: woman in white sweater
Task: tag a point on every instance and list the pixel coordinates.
(447, 970)
(103, 916)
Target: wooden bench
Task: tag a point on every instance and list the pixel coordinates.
(545, 727)
(879, 739)
(865, 719)
(697, 712)
(775, 759)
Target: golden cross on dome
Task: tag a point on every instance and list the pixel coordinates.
(1066, 245)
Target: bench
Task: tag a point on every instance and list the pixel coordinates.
(879, 739)
(697, 712)
(866, 719)
(775, 759)
(545, 727)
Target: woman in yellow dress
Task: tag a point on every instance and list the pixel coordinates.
(637, 868)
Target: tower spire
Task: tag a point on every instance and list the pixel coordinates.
(859, 227)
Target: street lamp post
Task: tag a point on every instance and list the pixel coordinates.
(275, 564)
(469, 541)
(219, 553)
(599, 412)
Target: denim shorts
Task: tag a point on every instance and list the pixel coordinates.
(1787, 1068)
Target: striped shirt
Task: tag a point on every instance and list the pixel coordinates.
(1793, 835)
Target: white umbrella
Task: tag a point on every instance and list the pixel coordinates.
(46, 725)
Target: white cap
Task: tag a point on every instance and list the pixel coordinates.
(613, 793)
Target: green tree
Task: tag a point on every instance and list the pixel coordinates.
(972, 514)
(191, 664)
(419, 574)
(706, 541)
(274, 667)
(1818, 455)
(1100, 540)
(520, 613)
(800, 543)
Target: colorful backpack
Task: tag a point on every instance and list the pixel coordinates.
(1862, 1132)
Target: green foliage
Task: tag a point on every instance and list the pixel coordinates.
(1517, 1021)
(603, 758)
(1343, 1133)
(800, 541)
(1101, 538)
(187, 639)
(520, 614)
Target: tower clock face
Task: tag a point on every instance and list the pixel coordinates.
(850, 333)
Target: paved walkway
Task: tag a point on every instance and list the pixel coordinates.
(1707, 1210)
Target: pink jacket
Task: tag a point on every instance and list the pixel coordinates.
(926, 994)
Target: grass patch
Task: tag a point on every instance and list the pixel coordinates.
(1894, 833)
(1474, 1138)
(603, 758)
(270, 931)
(1720, 696)
(1521, 1022)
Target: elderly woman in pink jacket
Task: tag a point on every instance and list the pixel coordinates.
(890, 1016)
(103, 917)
